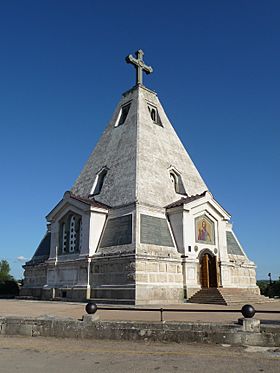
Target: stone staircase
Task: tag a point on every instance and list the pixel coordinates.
(227, 296)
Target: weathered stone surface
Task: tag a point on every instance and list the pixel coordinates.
(250, 325)
(156, 331)
(139, 142)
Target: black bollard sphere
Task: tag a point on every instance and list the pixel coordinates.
(248, 311)
(91, 308)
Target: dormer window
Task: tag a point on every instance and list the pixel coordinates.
(123, 114)
(154, 115)
(177, 181)
(99, 181)
(174, 181)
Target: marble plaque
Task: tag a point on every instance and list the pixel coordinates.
(118, 231)
(155, 231)
(232, 245)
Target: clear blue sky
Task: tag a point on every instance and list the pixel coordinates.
(216, 71)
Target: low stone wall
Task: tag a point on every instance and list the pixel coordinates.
(136, 331)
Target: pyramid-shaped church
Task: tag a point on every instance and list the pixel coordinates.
(139, 225)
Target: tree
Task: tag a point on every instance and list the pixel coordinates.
(8, 285)
(269, 289)
(5, 271)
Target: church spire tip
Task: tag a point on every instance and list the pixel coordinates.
(139, 64)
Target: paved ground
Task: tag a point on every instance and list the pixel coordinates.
(33, 355)
(77, 310)
(30, 355)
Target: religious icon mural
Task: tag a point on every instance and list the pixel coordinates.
(204, 230)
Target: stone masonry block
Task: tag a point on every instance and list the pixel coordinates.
(171, 278)
(250, 325)
(140, 277)
(152, 278)
(141, 266)
(162, 277)
(172, 268)
(152, 267)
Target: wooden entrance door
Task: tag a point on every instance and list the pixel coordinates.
(208, 271)
(204, 271)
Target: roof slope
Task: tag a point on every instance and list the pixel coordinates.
(43, 250)
(115, 150)
(138, 155)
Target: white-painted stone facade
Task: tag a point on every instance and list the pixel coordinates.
(139, 225)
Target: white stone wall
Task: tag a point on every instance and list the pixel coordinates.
(159, 280)
(233, 270)
(97, 222)
(68, 274)
(176, 222)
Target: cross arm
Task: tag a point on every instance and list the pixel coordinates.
(138, 63)
(130, 59)
(148, 69)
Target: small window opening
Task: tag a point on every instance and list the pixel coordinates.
(73, 236)
(64, 238)
(99, 182)
(64, 293)
(177, 182)
(174, 181)
(154, 115)
(80, 234)
(123, 114)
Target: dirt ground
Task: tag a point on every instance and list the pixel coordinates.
(15, 307)
(35, 354)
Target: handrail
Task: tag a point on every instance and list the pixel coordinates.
(247, 310)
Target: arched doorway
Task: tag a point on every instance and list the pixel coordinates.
(208, 270)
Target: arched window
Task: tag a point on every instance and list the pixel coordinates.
(154, 115)
(70, 233)
(174, 181)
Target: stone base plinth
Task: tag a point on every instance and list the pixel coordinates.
(250, 325)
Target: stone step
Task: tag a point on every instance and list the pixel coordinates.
(227, 296)
(208, 296)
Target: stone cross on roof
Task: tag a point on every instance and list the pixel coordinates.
(139, 65)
